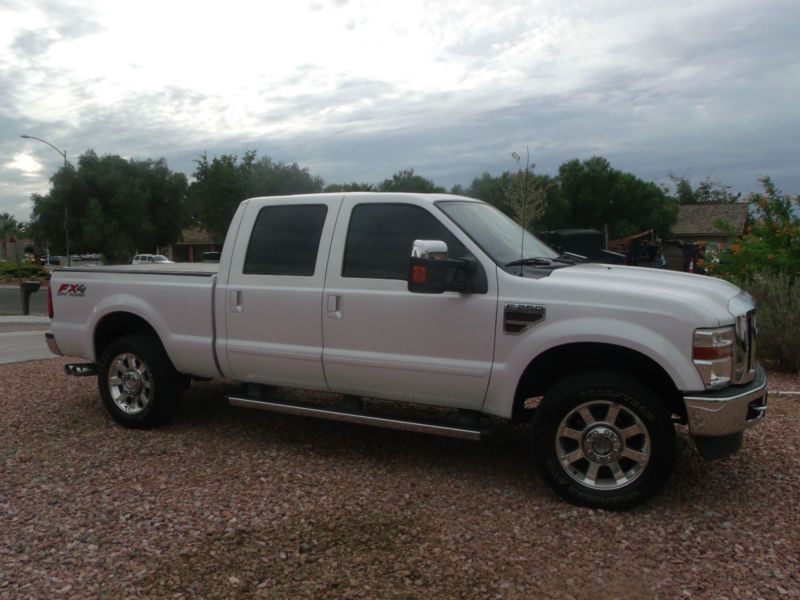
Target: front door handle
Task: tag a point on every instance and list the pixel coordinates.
(334, 306)
(236, 301)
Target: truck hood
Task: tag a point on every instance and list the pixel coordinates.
(707, 292)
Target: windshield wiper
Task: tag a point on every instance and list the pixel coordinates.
(571, 258)
(534, 260)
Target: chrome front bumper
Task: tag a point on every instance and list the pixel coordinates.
(728, 411)
(51, 343)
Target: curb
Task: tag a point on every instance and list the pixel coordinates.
(24, 320)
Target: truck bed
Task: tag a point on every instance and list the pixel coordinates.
(176, 300)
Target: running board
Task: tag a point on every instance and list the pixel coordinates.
(334, 414)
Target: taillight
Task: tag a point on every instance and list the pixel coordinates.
(50, 301)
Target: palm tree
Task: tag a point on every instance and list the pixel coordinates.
(8, 227)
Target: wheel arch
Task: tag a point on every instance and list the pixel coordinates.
(559, 362)
(117, 324)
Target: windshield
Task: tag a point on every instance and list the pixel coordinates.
(496, 234)
(160, 258)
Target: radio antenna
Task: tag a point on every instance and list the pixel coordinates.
(524, 206)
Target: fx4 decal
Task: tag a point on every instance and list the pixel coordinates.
(71, 289)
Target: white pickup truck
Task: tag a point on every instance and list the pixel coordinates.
(436, 300)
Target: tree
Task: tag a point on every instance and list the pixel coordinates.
(771, 244)
(707, 191)
(407, 181)
(766, 262)
(353, 186)
(527, 200)
(598, 196)
(8, 228)
(8, 225)
(116, 206)
(223, 182)
(493, 190)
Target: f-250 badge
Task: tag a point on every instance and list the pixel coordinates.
(520, 317)
(71, 289)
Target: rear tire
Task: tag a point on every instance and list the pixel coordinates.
(138, 384)
(604, 440)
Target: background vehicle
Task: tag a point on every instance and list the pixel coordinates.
(588, 243)
(435, 300)
(143, 259)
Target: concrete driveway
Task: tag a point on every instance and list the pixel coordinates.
(22, 338)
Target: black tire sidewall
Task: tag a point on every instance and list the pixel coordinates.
(165, 389)
(574, 391)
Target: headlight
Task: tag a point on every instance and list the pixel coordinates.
(712, 353)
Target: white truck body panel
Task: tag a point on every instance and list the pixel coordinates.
(373, 337)
(177, 304)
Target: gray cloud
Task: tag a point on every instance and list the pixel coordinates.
(704, 90)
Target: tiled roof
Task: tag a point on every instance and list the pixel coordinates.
(699, 219)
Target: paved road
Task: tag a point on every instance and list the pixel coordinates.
(10, 302)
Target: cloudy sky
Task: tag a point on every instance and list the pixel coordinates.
(357, 89)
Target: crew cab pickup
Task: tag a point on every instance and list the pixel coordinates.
(434, 300)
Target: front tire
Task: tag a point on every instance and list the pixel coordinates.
(138, 384)
(602, 439)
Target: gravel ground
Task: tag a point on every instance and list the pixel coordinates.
(228, 502)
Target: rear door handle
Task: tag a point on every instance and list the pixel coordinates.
(236, 301)
(334, 306)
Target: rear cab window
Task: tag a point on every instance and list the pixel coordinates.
(285, 240)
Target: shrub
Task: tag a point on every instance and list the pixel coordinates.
(778, 319)
(766, 263)
(9, 270)
(772, 242)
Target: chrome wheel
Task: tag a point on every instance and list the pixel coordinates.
(130, 384)
(603, 445)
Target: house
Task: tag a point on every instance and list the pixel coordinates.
(697, 223)
(194, 241)
(696, 233)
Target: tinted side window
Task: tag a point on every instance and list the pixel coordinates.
(380, 237)
(285, 240)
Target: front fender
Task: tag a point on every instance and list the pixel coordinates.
(516, 352)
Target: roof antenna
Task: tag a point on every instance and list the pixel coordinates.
(524, 206)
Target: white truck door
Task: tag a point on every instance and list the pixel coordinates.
(383, 341)
(274, 291)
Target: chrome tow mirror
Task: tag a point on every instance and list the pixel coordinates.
(432, 272)
(434, 249)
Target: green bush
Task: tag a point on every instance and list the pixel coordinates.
(778, 319)
(771, 243)
(9, 270)
(766, 262)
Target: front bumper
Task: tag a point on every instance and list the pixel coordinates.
(730, 410)
(51, 343)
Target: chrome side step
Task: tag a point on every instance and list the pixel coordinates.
(349, 416)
